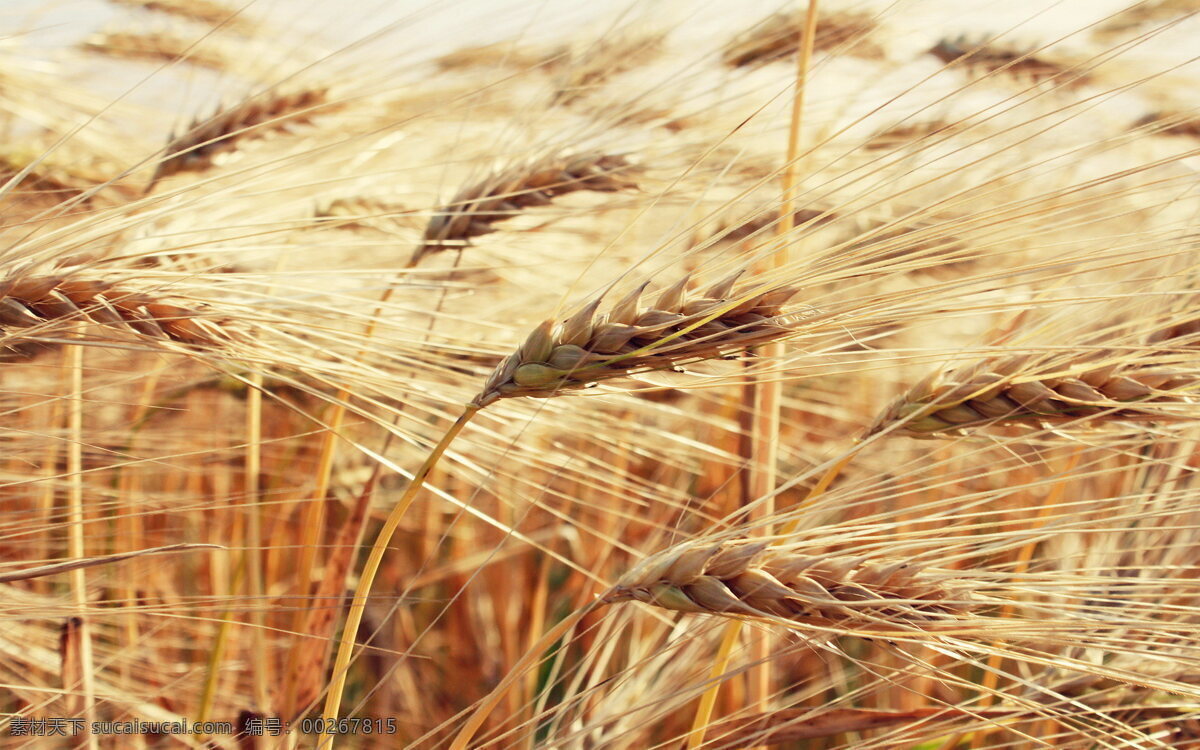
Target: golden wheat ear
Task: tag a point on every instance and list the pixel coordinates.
(676, 329)
(208, 12)
(1007, 390)
(744, 578)
(256, 117)
(474, 210)
(777, 38)
(161, 46)
(40, 302)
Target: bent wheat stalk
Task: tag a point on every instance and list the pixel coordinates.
(568, 356)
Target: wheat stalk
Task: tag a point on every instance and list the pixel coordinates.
(474, 210)
(675, 330)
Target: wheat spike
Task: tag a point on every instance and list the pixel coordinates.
(995, 392)
(741, 578)
(357, 211)
(992, 59)
(256, 117)
(1171, 123)
(777, 38)
(40, 301)
(1142, 13)
(906, 133)
(674, 331)
(208, 12)
(474, 210)
(588, 70)
(155, 46)
(61, 175)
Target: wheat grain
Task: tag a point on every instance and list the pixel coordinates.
(675, 330)
(474, 210)
(1141, 13)
(1171, 123)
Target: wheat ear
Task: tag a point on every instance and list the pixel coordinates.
(208, 12)
(675, 330)
(997, 392)
(256, 117)
(43, 301)
(777, 38)
(591, 68)
(155, 46)
(753, 579)
(991, 59)
(474, 210)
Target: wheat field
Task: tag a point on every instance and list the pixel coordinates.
(634, 375)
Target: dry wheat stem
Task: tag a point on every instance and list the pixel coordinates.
(675, 330)
(62, 567)
(500, 196)
(362, 591)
